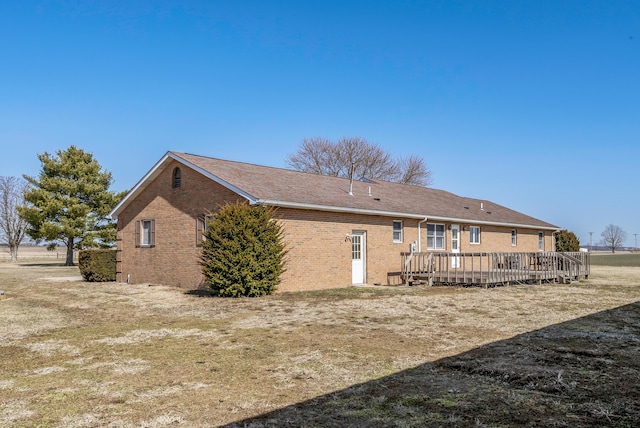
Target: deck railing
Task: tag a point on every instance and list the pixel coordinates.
(493, 268)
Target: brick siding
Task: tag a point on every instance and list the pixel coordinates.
(319, 255)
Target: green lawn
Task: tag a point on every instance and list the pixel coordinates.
(632, 260)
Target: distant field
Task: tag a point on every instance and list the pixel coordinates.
(34, 253)
(632, 260)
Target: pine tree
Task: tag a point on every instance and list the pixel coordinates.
(69, 201)
(242, 251)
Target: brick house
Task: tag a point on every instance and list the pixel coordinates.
(337, 233)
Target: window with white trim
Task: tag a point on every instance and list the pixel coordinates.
(541, 241)
(514, 238)
(397, 231)
(474, 234)
(435, 236)
(145, 233)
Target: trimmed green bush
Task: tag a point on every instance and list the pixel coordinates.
(97, 265)
(242, 251)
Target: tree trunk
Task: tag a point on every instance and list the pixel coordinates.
(69, 261)
(13, 250)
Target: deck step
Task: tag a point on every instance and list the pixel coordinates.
(564, 279)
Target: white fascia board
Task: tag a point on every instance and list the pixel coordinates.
(296, 205)
(155, 171)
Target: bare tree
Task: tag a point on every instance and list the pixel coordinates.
(12, 226)
(613, 237)
(413, 170)
(356, 157)
(317, 156)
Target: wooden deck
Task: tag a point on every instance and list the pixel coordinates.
(487, 269)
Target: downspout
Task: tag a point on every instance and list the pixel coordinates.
(420, 240)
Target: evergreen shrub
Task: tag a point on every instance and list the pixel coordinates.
(567, 242)
(242, 251)
(97, 265)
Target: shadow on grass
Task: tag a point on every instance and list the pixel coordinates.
(200, 293)
(45, 264)
(584, 372)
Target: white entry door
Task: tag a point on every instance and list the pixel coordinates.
(358, 257)
(455, 245)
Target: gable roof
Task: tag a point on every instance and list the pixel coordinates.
(293, 189)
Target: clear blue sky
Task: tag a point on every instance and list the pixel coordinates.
(531, 104)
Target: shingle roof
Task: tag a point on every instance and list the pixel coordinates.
(288, 188)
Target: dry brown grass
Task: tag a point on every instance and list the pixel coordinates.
(75, 354)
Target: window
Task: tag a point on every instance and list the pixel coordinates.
(541, 241)
(356, 247)
(397, 231)
(514, 238)
(176, 178)
(145, 233)
(202, 224)
(435, 236)
(474, 235)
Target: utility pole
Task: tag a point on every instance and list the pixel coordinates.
(635, 235)
(590, 240)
